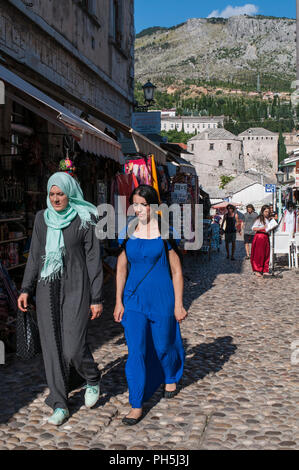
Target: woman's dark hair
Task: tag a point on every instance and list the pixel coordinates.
(230, 206)
(290, 205)
(250, 206)
(261, 217)
(147, 192)
(152, 198)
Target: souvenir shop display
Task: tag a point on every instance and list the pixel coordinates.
(8, 309)
(184, 191)
(141, 168)
(67, 166)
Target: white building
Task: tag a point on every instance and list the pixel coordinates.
(260, 148)
(216, 152)
(191, 124)
(249, 188)
(288, 166)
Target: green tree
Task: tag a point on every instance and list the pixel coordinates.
(282, 151)
(225, 180)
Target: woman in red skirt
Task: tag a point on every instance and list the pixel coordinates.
(260, 252)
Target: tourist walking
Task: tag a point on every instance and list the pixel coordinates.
(65, 260)
(249, 219)
(149, 304)
(229, 227)
(215, 241)
(260, 252)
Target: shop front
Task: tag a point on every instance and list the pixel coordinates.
(37, 132)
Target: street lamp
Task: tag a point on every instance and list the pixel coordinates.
(148, 93)
(279, 177)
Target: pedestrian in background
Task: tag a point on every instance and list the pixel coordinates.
(260, 252)
(65, 258)
(215, 242)
(289, 222)
(149, 304)
(249, 219)
(229, 227)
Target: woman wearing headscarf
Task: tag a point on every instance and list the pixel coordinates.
(65, 269)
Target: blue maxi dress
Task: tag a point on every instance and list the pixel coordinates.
(155, 349)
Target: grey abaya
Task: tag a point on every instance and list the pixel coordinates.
(63, 305)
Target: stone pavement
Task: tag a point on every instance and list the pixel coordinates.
(239, 389)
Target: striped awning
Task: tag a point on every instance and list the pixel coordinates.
(90, 138)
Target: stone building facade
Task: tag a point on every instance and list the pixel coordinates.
(77, 51)
(260, 148)
(191, 124)
(291, 141)
(216, 153)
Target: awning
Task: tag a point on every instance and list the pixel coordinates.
(185, 166)
(147, 147)
(89, 137)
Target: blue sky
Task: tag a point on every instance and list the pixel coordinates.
(171, 12)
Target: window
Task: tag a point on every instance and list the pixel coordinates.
(192, 147)
(203, 126)
(211, 146)
(116, 21)
(209, 126)
(229, 146)
(220, 162)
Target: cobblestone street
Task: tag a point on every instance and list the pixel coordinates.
(239, 389)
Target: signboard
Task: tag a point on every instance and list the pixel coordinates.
(147, 123)
(270, 188)
(180, 193)
(297, 175)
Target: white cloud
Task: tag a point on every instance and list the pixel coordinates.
(248, 9)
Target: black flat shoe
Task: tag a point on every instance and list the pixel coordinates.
(131, 421)
(170, 394)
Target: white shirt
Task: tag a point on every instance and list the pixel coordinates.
(258, 223)
(290, 221)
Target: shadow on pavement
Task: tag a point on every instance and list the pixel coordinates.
(22, 382)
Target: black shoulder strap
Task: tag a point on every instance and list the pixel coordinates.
(167, 256)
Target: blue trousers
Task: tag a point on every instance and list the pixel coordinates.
(156, 354)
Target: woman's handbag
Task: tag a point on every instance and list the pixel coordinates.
(28, 340)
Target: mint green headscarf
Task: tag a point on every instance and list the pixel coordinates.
(56, 221)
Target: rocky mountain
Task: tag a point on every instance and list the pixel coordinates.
(233, 50)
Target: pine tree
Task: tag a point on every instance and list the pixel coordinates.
(282, 151)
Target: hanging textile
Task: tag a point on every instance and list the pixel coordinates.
(155, 177)
(125, 186)
(141, 169)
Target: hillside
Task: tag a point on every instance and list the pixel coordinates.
(230, 50)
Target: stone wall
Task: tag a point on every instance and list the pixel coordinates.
(207, 161)
(261, 154)
(61, 42)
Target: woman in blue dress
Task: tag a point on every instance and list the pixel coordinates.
(149, 304)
